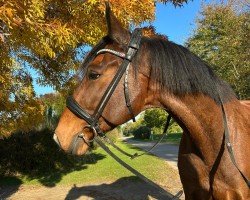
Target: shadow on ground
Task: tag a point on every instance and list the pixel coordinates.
(7, 191)
(36, 156)
(122, 189)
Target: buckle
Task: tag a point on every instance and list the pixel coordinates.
(130, 54)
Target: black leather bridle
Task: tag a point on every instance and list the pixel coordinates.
(93, 120)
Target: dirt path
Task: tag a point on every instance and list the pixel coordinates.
(123, 189)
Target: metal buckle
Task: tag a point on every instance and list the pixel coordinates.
(93, 129)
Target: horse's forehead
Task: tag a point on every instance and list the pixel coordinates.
(97, 60)
(102, 58)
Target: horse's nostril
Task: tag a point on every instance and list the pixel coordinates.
(55, 138)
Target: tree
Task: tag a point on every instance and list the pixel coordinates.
(54, 100)
(130, 127)
(156, 119)
(54, 104)
(18, 107)
(49, 36)
(46, 33)
(222, 39)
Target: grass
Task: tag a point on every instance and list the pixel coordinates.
(101, 170)
(171, 138)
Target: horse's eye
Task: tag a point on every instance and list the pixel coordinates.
(93, 75)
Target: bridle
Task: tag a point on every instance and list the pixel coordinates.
(93, 120)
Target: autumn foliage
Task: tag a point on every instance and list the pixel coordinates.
(48, 36)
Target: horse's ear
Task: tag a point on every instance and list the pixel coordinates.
(115, 29)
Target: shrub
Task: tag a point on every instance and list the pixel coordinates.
(114, 135)
(142, 132)
(126, 133)
(35, 153)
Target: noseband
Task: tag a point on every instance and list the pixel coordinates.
(92, 120)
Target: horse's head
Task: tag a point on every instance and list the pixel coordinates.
(100, 69)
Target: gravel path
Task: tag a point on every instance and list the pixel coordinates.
(122, 189)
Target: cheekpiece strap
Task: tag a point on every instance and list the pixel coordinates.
(134, 44)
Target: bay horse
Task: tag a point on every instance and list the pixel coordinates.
(165, 75)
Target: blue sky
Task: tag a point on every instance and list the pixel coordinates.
(175, 22)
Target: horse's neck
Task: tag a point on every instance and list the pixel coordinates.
(202, 118)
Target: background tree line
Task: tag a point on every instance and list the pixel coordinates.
(222, 39)
(152, 121)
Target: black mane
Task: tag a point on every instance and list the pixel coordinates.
(177, 69)
(174, 68)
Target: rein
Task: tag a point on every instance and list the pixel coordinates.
(229, 145)
(135, 172)
(92, 120)
(135, 155)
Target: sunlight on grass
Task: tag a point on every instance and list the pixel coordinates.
(171, 138)
(108, 169)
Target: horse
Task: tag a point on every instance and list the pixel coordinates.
(159, 73)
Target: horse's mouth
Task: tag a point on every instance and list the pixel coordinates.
(77, 147)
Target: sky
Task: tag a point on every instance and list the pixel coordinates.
(175, 22)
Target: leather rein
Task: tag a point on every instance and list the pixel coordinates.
(92, 120)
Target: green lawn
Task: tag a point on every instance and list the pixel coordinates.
(99, 167)
(171, 138)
